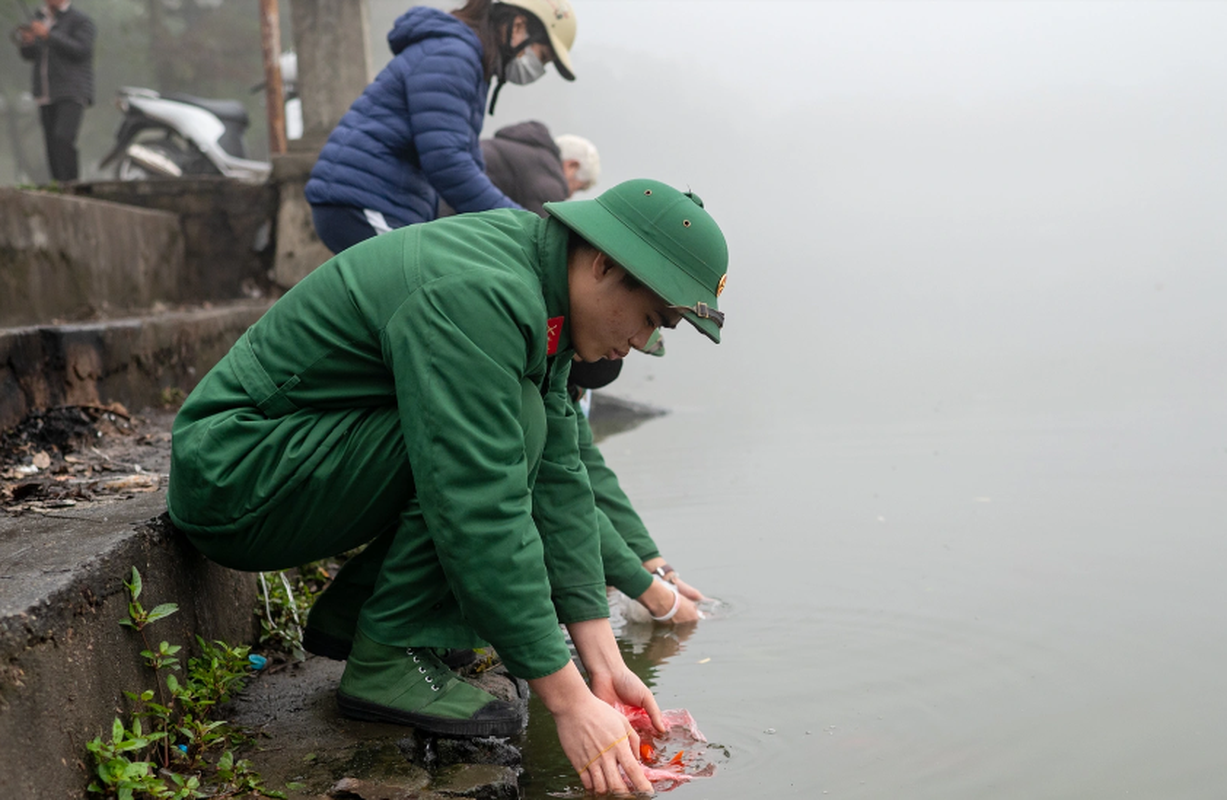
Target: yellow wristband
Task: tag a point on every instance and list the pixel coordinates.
(603, 752)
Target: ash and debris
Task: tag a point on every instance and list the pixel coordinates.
(61, 457)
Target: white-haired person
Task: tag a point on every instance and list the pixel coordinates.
(581, 162)
(525, 163)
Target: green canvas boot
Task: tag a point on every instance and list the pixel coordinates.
(413, 687)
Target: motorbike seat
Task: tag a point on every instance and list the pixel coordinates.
(225, 110)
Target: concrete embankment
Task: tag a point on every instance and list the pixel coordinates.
(104, 302)
(65, 661)
(69, 258)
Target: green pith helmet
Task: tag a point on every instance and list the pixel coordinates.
(559, 20)
(661, 236)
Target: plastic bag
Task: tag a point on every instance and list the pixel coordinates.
(674, 757)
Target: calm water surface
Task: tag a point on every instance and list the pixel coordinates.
(997, 579)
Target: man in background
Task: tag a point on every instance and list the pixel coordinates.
(60, 43)
(533, 169)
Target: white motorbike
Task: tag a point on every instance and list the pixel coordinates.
(167, 136)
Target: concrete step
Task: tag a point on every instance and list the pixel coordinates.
(65, 661)
(132, 360)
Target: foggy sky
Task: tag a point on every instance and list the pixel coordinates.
(923, 182)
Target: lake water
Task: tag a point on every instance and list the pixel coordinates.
(960, 578)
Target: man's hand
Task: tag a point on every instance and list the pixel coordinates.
(625, 687)
(688, 591)
(601, 746)
(598, 741)
(38, 30)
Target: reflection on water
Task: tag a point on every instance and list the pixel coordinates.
(611, 414)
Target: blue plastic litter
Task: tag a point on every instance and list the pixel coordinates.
(182, 747)
(258, 662)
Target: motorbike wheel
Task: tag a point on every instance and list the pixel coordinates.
(171, 146)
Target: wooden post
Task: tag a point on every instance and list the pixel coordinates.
(274, 98)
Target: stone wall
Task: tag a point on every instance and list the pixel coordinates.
(66, 258)
(229, 230)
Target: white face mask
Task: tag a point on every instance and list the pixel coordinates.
(526, 68)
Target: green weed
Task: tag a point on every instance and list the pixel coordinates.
(187, 753)
(285, 598)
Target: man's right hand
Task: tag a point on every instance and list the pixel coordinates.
(598, 741)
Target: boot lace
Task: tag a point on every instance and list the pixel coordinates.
(428, 664)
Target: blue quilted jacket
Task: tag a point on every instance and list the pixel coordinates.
(413, 134)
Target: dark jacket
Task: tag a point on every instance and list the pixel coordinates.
(69, 53)
(523, 161)
(412, 135)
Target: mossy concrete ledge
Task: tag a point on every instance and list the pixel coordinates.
(65, 661)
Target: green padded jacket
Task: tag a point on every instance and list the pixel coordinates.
(625, 541)
(443, 321)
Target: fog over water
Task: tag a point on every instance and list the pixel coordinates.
(959, 467)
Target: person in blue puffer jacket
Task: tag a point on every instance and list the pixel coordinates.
(412, 137)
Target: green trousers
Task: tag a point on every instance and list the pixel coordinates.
(362, 493)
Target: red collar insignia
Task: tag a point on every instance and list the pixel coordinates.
(553, 331)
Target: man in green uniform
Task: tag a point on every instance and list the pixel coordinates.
(632, 559)
(411, 393)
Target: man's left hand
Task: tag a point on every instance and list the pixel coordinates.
(688, 591)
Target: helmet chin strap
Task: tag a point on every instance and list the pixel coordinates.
(703, 311)
(507, 53)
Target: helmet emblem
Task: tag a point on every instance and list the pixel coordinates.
(720, 286)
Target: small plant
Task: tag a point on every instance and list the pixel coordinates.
(188, 754)
(53, 188)
(118, 774)
(487, 659)
(286, 597)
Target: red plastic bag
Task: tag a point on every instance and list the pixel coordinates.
(671, 758)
